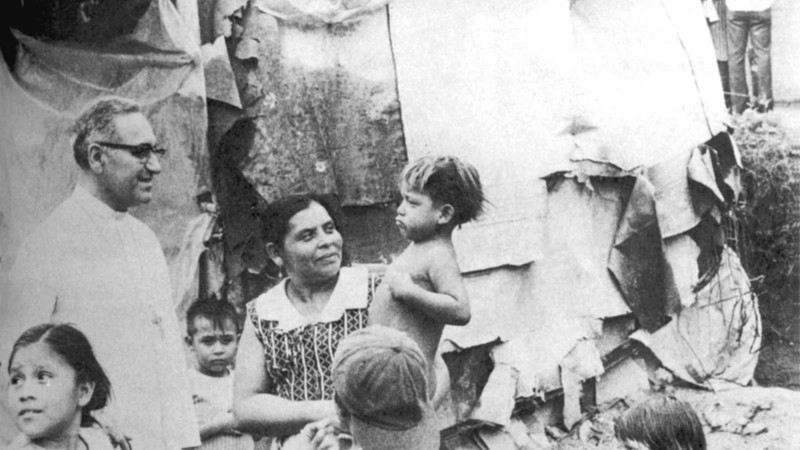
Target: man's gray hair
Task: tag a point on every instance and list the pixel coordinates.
(96, 123)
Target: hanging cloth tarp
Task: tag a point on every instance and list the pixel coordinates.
(324, 103)
(318, 13)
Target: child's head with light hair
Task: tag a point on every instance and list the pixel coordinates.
(661, 422)
(447, 180)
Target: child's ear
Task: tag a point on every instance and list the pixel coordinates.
(274, 254)
(85, 392)
(187, 340)
(446, 213)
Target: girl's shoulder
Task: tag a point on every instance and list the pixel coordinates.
(95, 438)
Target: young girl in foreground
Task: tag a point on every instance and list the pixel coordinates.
(422, 290)
(661, 422)
(55, 382)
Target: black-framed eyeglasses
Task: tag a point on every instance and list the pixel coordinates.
(141, 151)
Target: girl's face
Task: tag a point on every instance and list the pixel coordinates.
(312, 249)
(43, 394)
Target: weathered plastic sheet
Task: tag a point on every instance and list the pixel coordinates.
(475, 80)
(185, 269)
(527, 89)
(650, 259)
(715, 342)
(157, 65)
(648, 82)
(220, 81)
(638, 262)
(216, 18)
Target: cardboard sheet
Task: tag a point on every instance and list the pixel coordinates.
(715, 342)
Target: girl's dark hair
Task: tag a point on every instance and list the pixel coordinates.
(72, 346)
(280, 212)
(662, 422)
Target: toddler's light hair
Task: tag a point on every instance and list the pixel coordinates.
(447, 180)
(662, 422)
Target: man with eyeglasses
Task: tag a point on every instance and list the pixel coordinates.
(92, 264)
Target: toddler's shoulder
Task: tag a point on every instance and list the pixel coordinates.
(441, 250)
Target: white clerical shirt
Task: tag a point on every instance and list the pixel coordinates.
(105, 272)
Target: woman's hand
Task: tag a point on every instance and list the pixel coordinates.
(320, 435)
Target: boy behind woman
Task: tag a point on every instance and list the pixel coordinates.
(212, 336)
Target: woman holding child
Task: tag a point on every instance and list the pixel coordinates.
(283, 368)
(284, 379)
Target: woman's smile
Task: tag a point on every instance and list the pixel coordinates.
(312, 249)
(329, 257)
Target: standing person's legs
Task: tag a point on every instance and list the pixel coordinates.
(737, 44)
(726, 83)
(761, 40)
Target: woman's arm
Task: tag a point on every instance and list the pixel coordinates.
(256, 412)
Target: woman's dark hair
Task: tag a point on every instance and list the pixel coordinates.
(280, 212)
(662, 422)
(71, 345)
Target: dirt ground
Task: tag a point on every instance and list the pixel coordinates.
(751, 418)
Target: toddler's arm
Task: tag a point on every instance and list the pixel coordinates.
(448, 303)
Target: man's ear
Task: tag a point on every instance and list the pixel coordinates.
(187, 340)
(95, 157)
(85, 392)
(446, 213)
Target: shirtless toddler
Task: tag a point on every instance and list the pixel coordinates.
(422, 290)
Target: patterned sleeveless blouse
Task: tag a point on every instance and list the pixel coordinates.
(299, 355)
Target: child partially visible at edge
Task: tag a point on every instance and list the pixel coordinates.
(422, 290)
(212, 336)
(661, 422)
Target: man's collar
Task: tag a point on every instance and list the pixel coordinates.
(95, 206)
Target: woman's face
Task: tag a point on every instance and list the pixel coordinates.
(312, 249)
